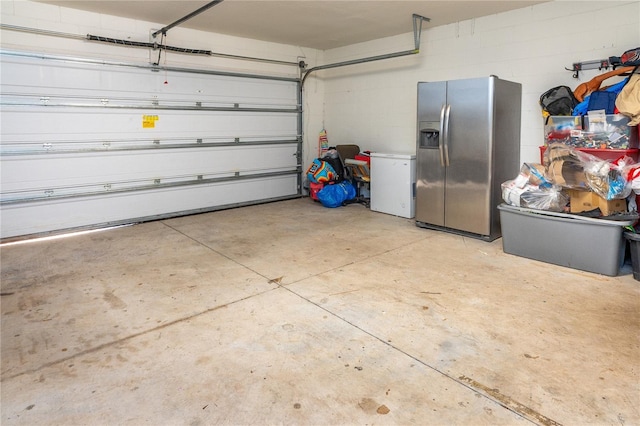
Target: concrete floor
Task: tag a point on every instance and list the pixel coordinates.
(291, 313)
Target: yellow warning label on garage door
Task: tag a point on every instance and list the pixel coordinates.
(149, 121)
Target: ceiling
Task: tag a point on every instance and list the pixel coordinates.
(309, 23)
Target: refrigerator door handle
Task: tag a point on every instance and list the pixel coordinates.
(446, 135)
(441, 136)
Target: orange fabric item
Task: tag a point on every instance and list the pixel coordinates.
(585, 89)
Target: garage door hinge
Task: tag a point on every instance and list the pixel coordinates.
(44, 100)
(156, 181)
(47, 146)
(107, 187)
(198, 140)
(104, 101)
(48, 192)
(199, 104)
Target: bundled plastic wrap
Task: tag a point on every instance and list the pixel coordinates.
(532, 189)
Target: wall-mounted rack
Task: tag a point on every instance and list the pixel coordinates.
(602, 64)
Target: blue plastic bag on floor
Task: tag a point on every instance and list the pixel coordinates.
(336, 194)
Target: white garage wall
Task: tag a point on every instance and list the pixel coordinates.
(374, 104)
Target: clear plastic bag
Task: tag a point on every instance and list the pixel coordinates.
(532, 189)
(607, 178)
(551, 199)
(535, 174)
(572, 168)
(633, 178)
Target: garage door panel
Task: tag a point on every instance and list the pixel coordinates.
(26, 219)
(60, 170)
(26, 75)
(32, 124)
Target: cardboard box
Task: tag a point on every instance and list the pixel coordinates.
(582, 201)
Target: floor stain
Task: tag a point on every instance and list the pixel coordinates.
(114, 301)
(368, 405)
(203, 360)
(383, 409)
(30, 302)
(511, 404)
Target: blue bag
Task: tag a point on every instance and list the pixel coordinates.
(334, 195)
(602, 100)
(583, 107)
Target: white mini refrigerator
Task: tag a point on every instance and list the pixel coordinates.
(393, 181)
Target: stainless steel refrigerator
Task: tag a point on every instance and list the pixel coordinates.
(468, 143)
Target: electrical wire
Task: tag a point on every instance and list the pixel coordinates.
(149, 45)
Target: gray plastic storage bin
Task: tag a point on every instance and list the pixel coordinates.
(634, 242)
(592, 245)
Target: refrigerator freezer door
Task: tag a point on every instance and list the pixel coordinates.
(468, 141)
(430, 168)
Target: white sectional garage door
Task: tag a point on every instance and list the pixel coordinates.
(89, 143)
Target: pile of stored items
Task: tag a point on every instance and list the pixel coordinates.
(328, 180)
(572, 208)
(571, 180)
